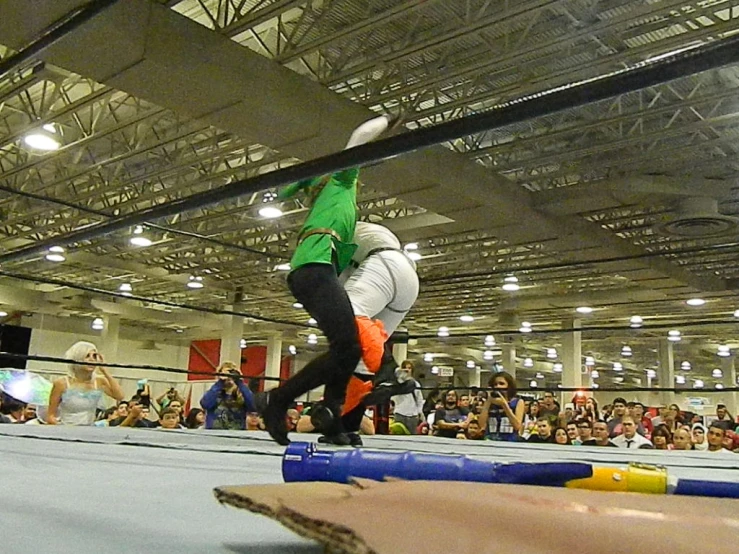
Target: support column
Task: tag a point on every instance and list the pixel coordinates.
(732, 399)
(273, 362)
(508, 357)
(666, 371)
(109, 338)
(475, 377)
(231, 334)
(571, 356)
(400, 352)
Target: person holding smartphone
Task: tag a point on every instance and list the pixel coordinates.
(502, 414)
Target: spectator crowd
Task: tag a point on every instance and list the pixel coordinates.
(496, 413)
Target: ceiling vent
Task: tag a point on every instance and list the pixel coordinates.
(696, 218)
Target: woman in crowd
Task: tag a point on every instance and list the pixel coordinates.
(560, 436)
(195, 419)
(662, 438)
(501, 417)
(673, 419)
(529, 422)
(75, 397)
(681, 440)
(699, 437)
(591, 411)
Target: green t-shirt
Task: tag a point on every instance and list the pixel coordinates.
(334, 208)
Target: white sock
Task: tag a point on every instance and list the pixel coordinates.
(367, 131)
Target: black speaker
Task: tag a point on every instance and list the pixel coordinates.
(15, 340)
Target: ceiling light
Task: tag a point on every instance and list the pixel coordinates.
(195, 282)
(434, 370)
(312, 321)
(695, 302)
(312, 339)
(470, 364)
(651, 373)
(551, 353)
(282, 267)
(528, 362)
(736, 313)
(411, 246)
(626, 351)
(636, 321)
(533, 384)
(558, 367)
(56, 254)
(673, 336)
(428, 357)
(270, 212)
(540, 376)
(723, 351)
(589, 361)
(443, 332)
(466, 318)
(489, 340)
(292, 349)
(98, 324)
(138, 239)
(584, 310)
(43, 139)
(596, 385)
(242, 343)
(487, 355)
(415, 256)
(594, 374)
(719, 386)
(523, 329)
(698, 383)
(510, 284)
(717, 373)
(618, 366)
(126, 289)
(297, 305)
(618, 379)
(179, 330)
(3, 314)
(685, 366)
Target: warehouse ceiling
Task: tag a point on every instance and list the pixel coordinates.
(628, 206)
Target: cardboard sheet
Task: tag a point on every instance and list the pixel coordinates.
(408, 517)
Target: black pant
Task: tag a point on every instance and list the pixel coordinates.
(317, 288)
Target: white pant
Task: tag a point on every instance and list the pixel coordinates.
(384, 287)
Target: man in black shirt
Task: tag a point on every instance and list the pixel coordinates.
(600, 435)
(451, 419)
(544, 429)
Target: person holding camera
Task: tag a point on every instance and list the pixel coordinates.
(228, 401)
(169, 396)
(502, 414)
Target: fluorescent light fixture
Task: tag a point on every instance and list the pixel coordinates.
(717, 373)
(312, 321)
(443, 332)
(125, 287)
(489, 340)
(510, 284)
(56, 254)
(719, 386)
(282, 267)
(411, 246)
(540, 376)
(651, 373)
(470, 364)
(618, 379)
(685, 366)
(594, 374)
(98, 324)
(292, 349)
(674, 335)
(43, 139)
(428, 357)
(270, 212)
(297, 305)
(3, 314)
(551, 353)
(312, 339)
(195, 282)
(596, 385)
(242, 343)
(533, 384)
(179, 330)
(723, 351)
(584, 310)
(558, 367)
(487, 355)
(618, 366)
(626, 351)
(636, 321)
(466, 318)
(138, 239)
(589, 361)
(434, 370)
(415, 256)
(695, 302)
(736, 313)
(698, 383)
(528, 362)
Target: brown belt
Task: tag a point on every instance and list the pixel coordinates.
(319, 231)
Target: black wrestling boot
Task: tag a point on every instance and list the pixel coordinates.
(274, 416)
(326, 421)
